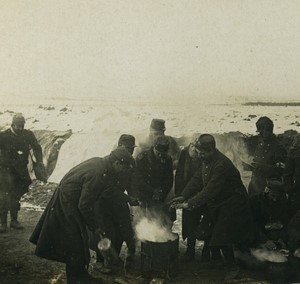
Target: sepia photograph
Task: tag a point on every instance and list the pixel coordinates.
(149, 141)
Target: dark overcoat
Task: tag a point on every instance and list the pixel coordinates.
(151, 174)
(186, 168)
(267, 155)
(14, 156)
(217, 185)
(61, 234)
(267, 212)
(291, 177)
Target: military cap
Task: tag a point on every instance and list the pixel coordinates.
(158, 124)
(263, 122)
(18, 118)
(123, 156)
(205, 142)
(161, 144)
(127, 141)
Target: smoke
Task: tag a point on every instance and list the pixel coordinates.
(153, 227)
(270, 256)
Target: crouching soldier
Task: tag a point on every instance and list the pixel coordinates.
(271, 215)
(61, 233)
(112, 210)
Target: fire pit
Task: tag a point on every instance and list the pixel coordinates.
(159, 256)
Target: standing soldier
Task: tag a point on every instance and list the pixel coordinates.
(292, 174)
(188, 163)
(157, 128)
(15, 144)
(217, 186)
(153, 176)
(269, 157)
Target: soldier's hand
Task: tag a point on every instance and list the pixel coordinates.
(297, 253)
(99, 232)
(178, 199)
(270, 245)
(157, 194)
(183, 205)
(247, 167)
(134, 201)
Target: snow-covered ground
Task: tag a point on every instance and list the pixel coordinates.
(96, 125)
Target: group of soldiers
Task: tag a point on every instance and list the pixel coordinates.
(93, 199)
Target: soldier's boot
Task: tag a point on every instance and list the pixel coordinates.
(228, 255)
(14, 223)
(3, 225)
(205, 255)
(189, 255)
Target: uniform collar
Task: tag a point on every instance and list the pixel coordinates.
(12, 130)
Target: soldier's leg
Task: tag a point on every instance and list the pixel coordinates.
(190, 250)
(125, 229)
(3, 222)
(228, 254)
(14, 209)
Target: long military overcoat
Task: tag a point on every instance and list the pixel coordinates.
(186, 168)
(14, 157)
(61, 234)
(217, 185)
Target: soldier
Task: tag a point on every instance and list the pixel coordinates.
(291, 174)
(271, 215)
(269, 157)
(217, 186)
(61, 234)
(112, 208)
(188, 163)
(157, 128)
(153, 177)
(15, 144)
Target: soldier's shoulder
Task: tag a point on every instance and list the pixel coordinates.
(142, 155)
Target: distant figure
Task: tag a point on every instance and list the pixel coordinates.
(271, 215)
(292, 174)
(61, 233)
(157, 128)
(15, 145)
(269, 157)
(188, 164)
(217, 187)
(112, 210)
(153, 177)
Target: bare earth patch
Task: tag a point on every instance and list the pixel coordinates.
(18, 264)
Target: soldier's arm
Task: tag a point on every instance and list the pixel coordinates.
(36, 147)
(168, 182)
(179, 175)
(194, 185)
(213, 187)
(288, 173)
(91, 189)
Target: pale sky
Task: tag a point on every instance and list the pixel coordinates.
(123, 49)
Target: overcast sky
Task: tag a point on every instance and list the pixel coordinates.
(120, 49)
